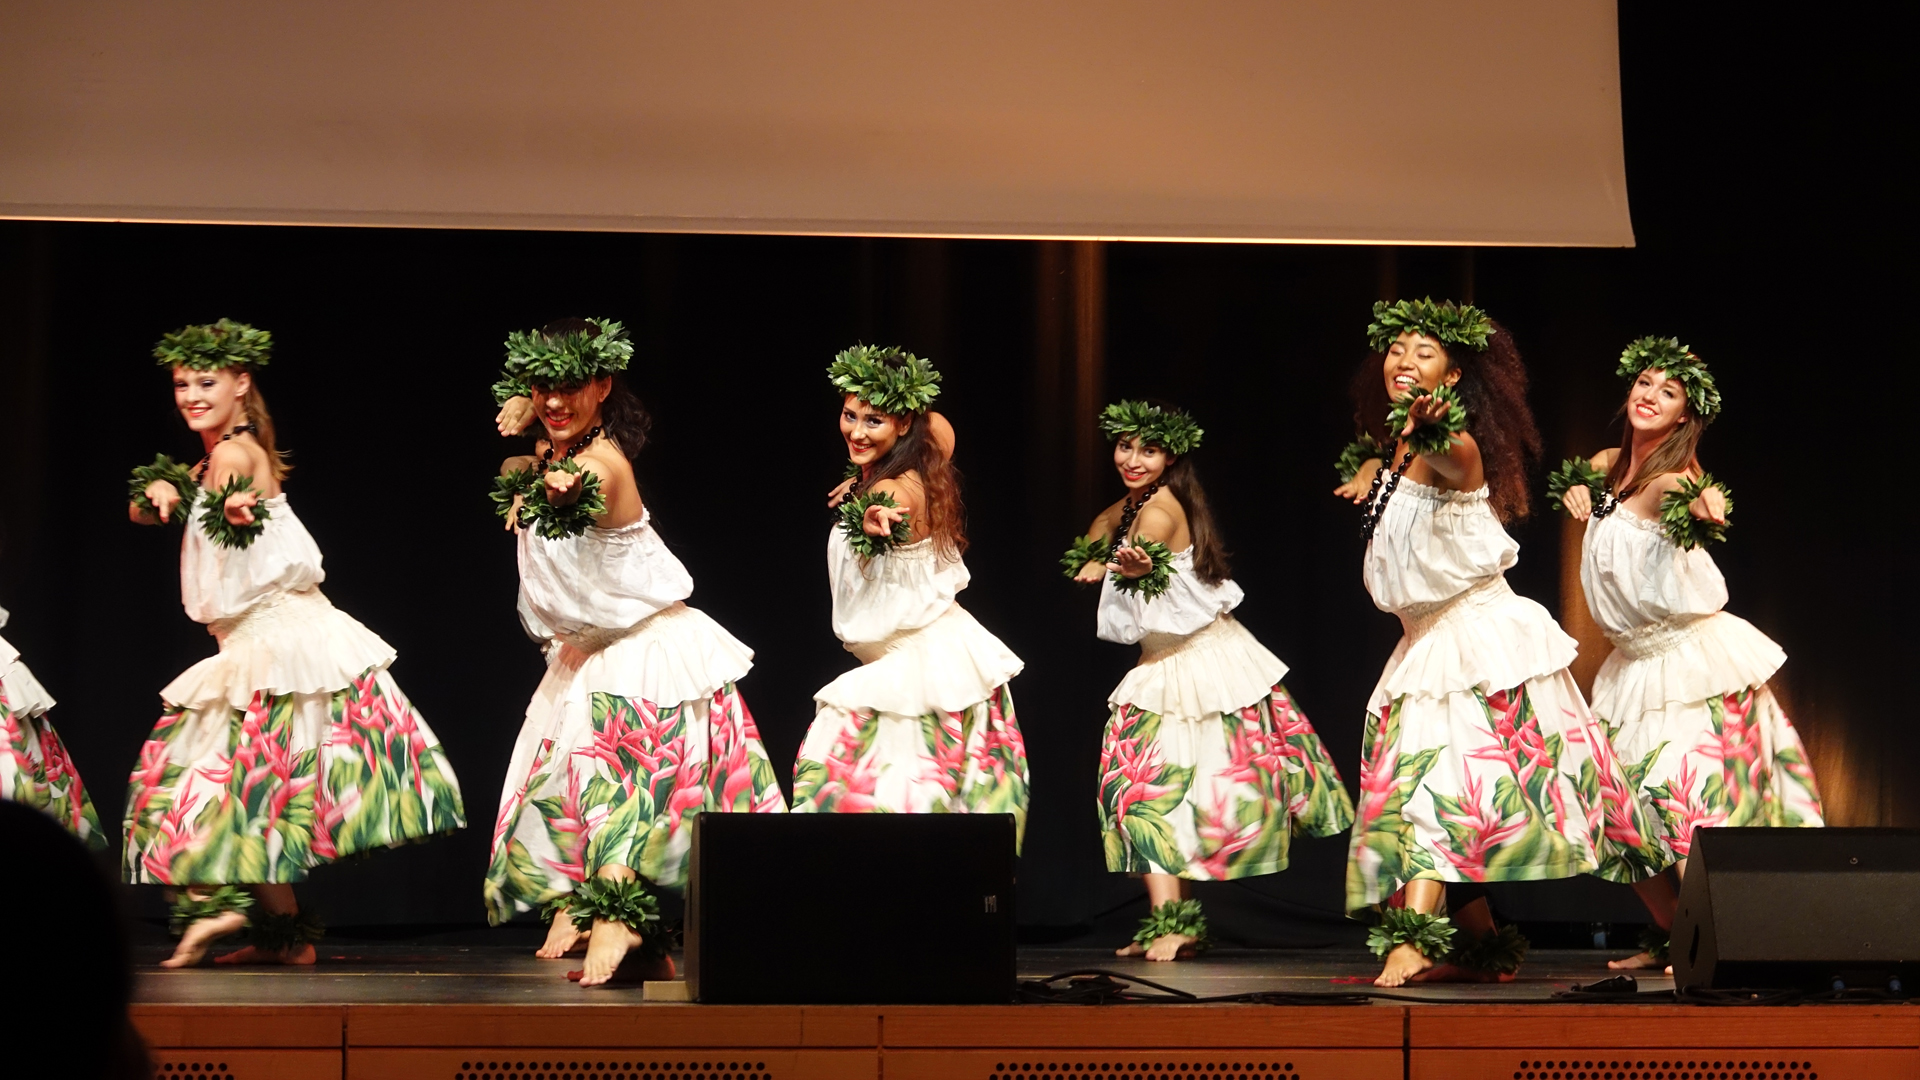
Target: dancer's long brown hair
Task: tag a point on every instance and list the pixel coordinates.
(942, 509)
(262, 421)
(1493, 387)
(1677, 453)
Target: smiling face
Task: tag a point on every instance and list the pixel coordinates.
(567, 412)
(869, 432)
(1140, 466)
(211, 400)
(1656, 405)
(1417, 360)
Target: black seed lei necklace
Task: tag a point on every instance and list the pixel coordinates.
(579, 444)
(1377, 498)
(1130, 510)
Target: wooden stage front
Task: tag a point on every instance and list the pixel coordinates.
(489, 1013)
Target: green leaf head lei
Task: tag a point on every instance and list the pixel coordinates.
(1446, 322)
(886, 377)
(1171, 430)
(574, 358)
(213, 346)
(1681, 365)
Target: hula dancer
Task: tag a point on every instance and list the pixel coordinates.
(34, 767)
(1207, 767)
(292, 746)
(1684, 693)
(1481, 761)
(926, 723)
(637, 725)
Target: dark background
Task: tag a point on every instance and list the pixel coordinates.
(1761, 160)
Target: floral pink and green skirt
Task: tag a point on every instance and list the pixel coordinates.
(263, 794)
(1729, 761)
(1517, 785)
(1218, 797)
(36, 771)
(967, 761)
(617, 783)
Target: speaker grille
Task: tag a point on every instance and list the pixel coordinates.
(192, 1068)
(1665, 1068)
(1123, 1069)
(610, 1069)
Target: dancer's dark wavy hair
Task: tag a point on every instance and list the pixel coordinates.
(1493, 387)
(622, 416)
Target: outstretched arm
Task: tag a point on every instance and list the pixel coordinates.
(1093, 570)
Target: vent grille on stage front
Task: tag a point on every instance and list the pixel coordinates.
(596, 1069)
(1665, 1069)
(1144, 1070)
(191, 1070)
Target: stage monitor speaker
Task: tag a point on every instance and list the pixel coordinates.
(885, 909)
(1812, 909)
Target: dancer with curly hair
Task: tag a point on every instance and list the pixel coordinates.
(1684, 693)
(1481, 761)
(1207, 766)
(293, 746)
(638, 725)
(926, 723)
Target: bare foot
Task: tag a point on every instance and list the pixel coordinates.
(298, 956)
(1133, 948)
(193, 944)
(1403, 963)
(1444, 973)
(563, 937)
(1171, 947)
(606, 947)
(1637, 962)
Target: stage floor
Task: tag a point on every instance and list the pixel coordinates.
(400, 974)
(486, 1012)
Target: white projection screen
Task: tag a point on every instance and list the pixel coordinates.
(1323, 121)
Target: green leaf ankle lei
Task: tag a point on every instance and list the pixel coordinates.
(282, 932)
(550, 521)
(164, 468)
(1356, 455)
(1430, 935)
(1500, 952)
(628, 902)
(1433, 438)
(853, 513)
(1085, 549)
(1682, 528)
(1572, 473)
(187, 910)
(213, 515)
(1656, 943)
(1174, 917)
(1153, 582)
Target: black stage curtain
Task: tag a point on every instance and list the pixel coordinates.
(1767, 227)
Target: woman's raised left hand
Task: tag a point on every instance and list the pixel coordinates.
(239, 507)
(1131, 562)
(880, 520)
